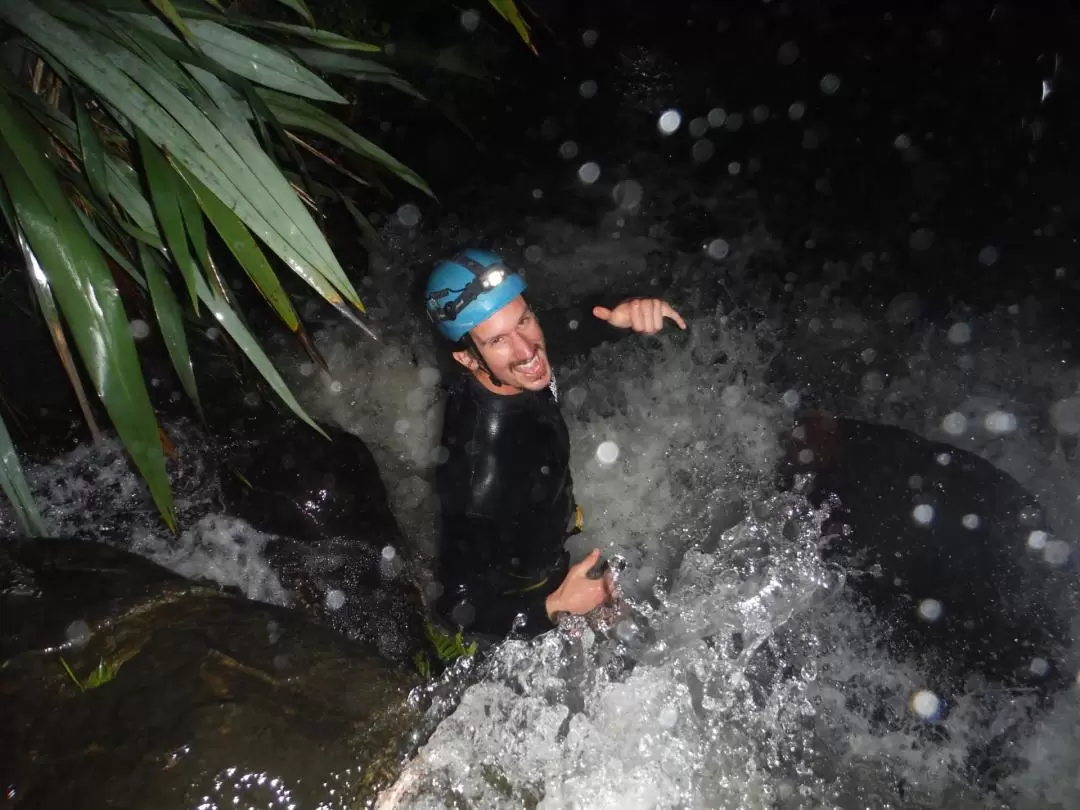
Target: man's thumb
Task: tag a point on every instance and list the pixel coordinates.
(603, 313)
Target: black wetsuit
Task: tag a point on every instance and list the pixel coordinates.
(507, 507)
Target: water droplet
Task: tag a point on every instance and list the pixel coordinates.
(139, 329)
(335, 387)
(873, 381)
(607, 452)
(806, 455)
(959, 333)
(698, 127)
(568, 150)
(1037, 540)
(429, 376)
(716, 117)
(791, 398)
(999, 422)
(1065, 416)
(589, 173)
(409, 215)
(734, 168)
(470, 20)
(307, 369)
(988, 255)
(922, 239)
(787, 53)
(954, 423)
(588, 88)
(868, 355)
(335, 600)
(388, 553)
(923, 514)
(589, 38)
(536, 193)
(627, 195)
(669, 121)
(970, 521)
(440, 455)
(830, 83)
(669, 715)
(734, 122)
(718, 249)
(944, 459)
(930, 610)
(401, 426)
(902, 142)
(926, 704)
(78, 633)
(1039, 667)
(796, 111)
(1057, 552)
(760, 114)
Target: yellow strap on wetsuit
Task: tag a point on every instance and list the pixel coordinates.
(579, 525)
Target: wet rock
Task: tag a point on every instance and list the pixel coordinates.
(949, 551)
(338, 546)
(207, 697)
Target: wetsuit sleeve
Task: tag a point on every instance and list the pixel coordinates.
(479, 595)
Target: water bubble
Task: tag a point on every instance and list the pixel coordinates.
(923, 514)
(589, 173)
(588, 88)
(1037, 540)
(988, 255)
(806, 455)
(669, 121)
(627, 195)
(716, 117)
(534, 253)
(698, 127)
(470, 20)
(930, 610)
(409, 215)
(589, 38)
(796, 111)
(944, 459)
(970, 521)
(251, 399)
(401, 426)
(139, 329)
(926, 704)
(77, 633)
(576, 396)
(959, 333)
(760, 114)
(954, 423)
(915, 482)
(702, 150)
(734, 122)
(787, 53)
(734, 168)
(568, 150)
(669, 715)
(307, 369)
(999, 422)
(1057, 552)
(440, 455)
(536, 193)
(335, 387)
(868, 355)
(718, 249)
(902, 142)
(335, 600)
(1039, 667)
(873, 381)
(388, 553)
(791, 398)
(429, 376)
(607, 452)
(830, 83)
(1065, 416)
(921, 239)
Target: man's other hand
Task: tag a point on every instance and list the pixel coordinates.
(578, 594)
(643, 315)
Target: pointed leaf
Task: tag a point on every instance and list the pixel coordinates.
(510, 13)
(368, 234)
(249, 184)
(165, 188)
(170, 321)
(93, 154)
(111, 251)
(14, 484)
(244, 247)
(247, 343)
(295, 113)
(249, 58)
(300, 8)
(87, 295)
(166, 10)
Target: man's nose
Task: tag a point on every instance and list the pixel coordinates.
(523, 348)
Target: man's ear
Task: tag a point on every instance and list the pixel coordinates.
(466, 358)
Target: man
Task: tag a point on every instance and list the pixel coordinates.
(505, 488)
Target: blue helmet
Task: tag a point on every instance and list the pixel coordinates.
(466, 290)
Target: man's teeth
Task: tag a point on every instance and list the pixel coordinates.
(531, 366)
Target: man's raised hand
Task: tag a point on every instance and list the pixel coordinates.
(643, 315)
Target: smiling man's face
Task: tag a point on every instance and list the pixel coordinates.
(512, 344)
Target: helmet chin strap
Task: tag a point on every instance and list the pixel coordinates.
(481, 362)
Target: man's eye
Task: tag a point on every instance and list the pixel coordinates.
(495, 341)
